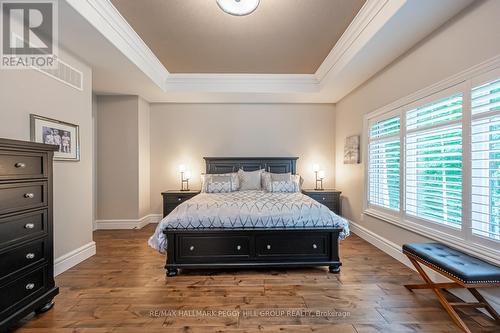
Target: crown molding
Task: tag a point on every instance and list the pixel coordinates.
(258, 83)
(107, 20)
(354, 31)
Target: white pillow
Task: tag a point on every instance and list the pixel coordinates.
(250, 180)
(281, 182)
(233, 178)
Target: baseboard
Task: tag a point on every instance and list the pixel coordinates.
(395, 251)
(127, 223)
(391, 248)
(73, 258)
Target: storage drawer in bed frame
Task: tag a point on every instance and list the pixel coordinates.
(220, 248)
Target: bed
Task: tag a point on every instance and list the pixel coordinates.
(247, 229)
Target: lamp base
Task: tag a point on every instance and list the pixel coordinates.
(319, 189)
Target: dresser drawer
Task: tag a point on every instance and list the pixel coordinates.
(20, 165)
(21, 257)
(17, 228)
(20, 196)
(292, 244)
(25, 287)
(213, 246)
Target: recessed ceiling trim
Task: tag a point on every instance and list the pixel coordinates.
(353, 60)
(104, 17)
(259, 83)
(108, 21)
(359, 24)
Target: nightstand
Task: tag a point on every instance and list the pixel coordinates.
(328, 197)
(172, 199)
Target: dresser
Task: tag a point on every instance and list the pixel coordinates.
(328, 197)
(172, 199)
(26, 230)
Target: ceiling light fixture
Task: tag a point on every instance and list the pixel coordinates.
(238, 7)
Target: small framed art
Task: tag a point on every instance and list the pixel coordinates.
(59, 133)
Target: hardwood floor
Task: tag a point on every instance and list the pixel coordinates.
(123, 289)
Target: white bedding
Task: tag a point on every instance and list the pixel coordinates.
(248, 209)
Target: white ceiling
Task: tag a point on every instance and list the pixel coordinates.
(281, 36)
(122, 63)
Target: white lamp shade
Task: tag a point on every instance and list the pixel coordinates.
(321, 174)
(182, 168)
(187, 175)
(238, 7)
(315, 167)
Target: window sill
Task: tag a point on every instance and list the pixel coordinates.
(474, 249)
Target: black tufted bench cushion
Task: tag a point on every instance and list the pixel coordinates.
(462, 269)
(467, 269)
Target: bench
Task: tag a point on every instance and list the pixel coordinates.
(462, 269)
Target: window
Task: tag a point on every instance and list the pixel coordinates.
(384, 154)
(485, 141)
(433, 163)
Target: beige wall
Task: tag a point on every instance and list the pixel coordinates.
(122, 158)
(185, 133)
(27, 91)
(117, 156)
(144, 157)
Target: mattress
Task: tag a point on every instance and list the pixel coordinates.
(248, 210)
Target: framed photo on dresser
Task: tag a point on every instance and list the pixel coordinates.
(59, 133)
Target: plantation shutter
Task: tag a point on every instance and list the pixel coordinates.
(434, 162)
(485, 140)
(384, 163)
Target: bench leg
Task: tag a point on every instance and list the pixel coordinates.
(444, 302)
(485, 304)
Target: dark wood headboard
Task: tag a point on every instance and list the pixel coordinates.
(233, 164)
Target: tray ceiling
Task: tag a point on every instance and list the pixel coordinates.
(281, 36)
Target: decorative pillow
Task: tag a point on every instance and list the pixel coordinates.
(298, 180)
(284, 186)
(268, 177)
(250, 180)
(281, 177)
(218, 187)
(232, 178)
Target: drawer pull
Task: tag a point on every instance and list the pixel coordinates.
(268, 246)
(238, 247)
(191, 248)
(179, 199)
(30, 256)
(29, 195)
(30, 286)
(324, 199)
(20, 165)
(29, 225)
(315, 246)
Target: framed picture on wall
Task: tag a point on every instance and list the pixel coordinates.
(59, 133)
(351, 150)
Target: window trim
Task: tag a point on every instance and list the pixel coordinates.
(462, 238)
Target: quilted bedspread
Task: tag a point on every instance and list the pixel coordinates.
(248, 210)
